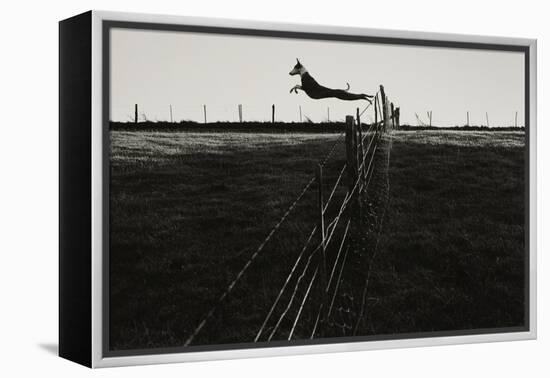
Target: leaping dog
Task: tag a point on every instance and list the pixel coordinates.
(316, 91)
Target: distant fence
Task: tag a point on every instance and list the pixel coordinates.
(139, 118)
(311, 275)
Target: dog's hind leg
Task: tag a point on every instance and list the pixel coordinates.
(343, 95)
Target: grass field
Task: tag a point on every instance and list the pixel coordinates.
(452, 250)
(188, 209)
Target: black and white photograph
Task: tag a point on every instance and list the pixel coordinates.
(279, 189)
(274, 189)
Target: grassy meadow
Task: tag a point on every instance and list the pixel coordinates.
(188, 209)
(452, 250)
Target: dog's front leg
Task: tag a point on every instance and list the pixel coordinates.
(295, 88)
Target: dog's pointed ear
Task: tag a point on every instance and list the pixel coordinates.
(298, 61)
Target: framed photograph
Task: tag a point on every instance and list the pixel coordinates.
(234, 189)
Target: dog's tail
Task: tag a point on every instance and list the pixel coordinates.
(362, 96)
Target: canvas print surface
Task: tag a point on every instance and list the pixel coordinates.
(286, 190)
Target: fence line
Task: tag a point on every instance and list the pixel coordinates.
(359, 177)
(375, 251)
(364, 179)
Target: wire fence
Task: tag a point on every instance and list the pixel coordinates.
(316, 299)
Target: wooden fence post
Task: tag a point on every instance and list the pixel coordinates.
(384, 107)
(376, 112)
(351, 151)
(516, 123)
(171, 117)
(392, 115)
(467, 118)
(323, 262)
(397, 124)
(273, 113)
(136, 114)
(487, 117)
(360, 169)
(361, 158)
(351, 156)
(380, 115)
(204, 110)
(300, 109)
(240, 113)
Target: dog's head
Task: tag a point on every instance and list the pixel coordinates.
(298, 68)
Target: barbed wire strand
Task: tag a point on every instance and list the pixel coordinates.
(335, 187)
(248, 263)
(306, 295)
(289, 277)
(370, 161)
(333, 148)
(364, 110)
(368, 106)
(372, 135)
(335, 221)
(338, 282)
(367, 150)
(316, 322)
(331, 277)
(291, 300)
(370, 173)
(338, 256)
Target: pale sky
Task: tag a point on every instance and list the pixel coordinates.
(156, 69)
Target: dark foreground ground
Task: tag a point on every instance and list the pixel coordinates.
(452, 252)
(188, 209)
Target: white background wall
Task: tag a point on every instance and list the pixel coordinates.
(28, 188)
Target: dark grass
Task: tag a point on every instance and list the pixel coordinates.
(189, 208)
(187, 212)
(278, 127)
(452, 251)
